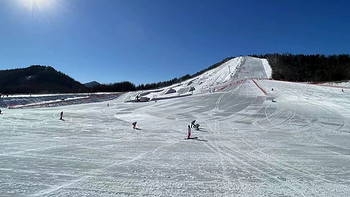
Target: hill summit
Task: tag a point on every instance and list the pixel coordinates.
(37, 79)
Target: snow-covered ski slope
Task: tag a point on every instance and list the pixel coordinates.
(232, 71)
(343, 84)
(247, 145)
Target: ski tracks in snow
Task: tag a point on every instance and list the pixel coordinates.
(97, 172)
(238, 159)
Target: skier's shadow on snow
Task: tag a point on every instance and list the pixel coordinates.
(197, 139)
(138, 129)
(201, 140)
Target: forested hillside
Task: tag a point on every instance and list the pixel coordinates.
(37, 79)
(309, 68)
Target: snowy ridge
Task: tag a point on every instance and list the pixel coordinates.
(228, 73)
(267, 68)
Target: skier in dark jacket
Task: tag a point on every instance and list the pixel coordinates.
(61, 115)
(192, 123)
(196, 126)
(134, 125)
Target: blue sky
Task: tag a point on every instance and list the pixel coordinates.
(145, 41)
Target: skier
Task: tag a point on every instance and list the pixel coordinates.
(134, 125)
(61, 115)
(0, 111)
(342, 90)
(192, 123)
(196, 126)
(189, 132)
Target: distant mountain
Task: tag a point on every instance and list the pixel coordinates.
(37, 79)
(92, 84)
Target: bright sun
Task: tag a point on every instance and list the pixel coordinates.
(38, 4)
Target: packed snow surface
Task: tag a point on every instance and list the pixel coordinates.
(342, 84)
(50, 100)
(257, 137)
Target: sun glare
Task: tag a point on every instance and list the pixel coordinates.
(38, 4)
